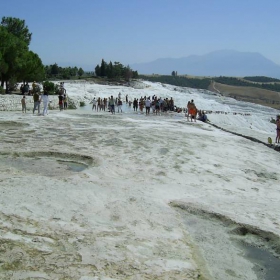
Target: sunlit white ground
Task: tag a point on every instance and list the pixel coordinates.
(113, 219)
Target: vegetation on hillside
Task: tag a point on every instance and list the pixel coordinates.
(261, 79)
(179, 81)
(54, 71)
(238, 82)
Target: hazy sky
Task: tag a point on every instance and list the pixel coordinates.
(82, 32)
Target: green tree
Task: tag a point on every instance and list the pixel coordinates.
(135, 75)
(110, 70)
(118, 69)
(12, 51)
(103, 68)
(97, 70)
(17, 27)
(17, 62)
(32, 68)
(127, 73)
(54, 69)
(73, 71)
(80, 72)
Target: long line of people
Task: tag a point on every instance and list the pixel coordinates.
(155, 105)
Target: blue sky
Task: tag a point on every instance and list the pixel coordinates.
(82, 32)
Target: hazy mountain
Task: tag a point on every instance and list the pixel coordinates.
(218, 63)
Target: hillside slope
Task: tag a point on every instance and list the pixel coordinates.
(249, 94)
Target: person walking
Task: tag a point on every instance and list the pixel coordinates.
(187, 114)
(192, 111)
(45, 100)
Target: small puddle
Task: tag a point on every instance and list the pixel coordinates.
(74, 166)
(268, 266)
(45, 166)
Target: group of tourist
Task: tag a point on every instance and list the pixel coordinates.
(44, 98)
(150, 104)
(155, 104)
(191, 112)
(25, 88)
(37, 99)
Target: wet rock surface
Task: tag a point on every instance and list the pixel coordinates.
(87, 194)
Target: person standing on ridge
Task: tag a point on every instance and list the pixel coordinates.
(135, 104)
(23, 104)
(148, 106)
(112, 104)
(60, 101)
(65, 101)
(94, 104)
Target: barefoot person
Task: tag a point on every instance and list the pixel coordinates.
(23, 104)
(148, 106)
(119, 105)
(94, 104)
(192, 111)
(65, 101)
(112, 104)
(277, 140)
(45, 100)
(60, 101)
(36, 99)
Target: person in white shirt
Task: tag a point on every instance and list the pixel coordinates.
(94, 104)
(119, 106)
(45, 100)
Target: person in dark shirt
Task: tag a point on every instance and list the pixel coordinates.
(60, 101)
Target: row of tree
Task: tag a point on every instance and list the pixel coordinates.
(55, 71)
(17, 62)
(261, 79)
(116, 70)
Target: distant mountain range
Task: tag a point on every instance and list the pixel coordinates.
(218, 63)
